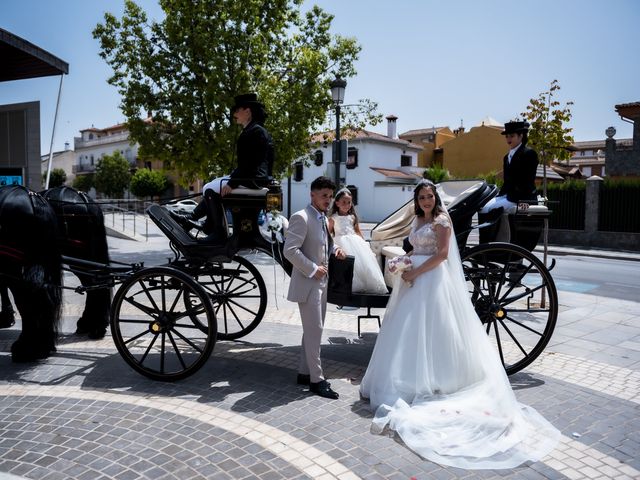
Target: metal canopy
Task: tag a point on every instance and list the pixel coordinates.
(22, 59)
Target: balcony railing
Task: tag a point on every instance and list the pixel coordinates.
(117, 137)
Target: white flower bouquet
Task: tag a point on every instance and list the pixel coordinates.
(399, 264)
(275, 225)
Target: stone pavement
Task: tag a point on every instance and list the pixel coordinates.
(84, 414)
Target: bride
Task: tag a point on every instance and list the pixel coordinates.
(434, 377)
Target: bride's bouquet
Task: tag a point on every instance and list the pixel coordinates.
(397, 265)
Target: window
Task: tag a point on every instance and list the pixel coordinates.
(91, 160)
(405, 160)
(298, 169)
(318, 158)
(352, 158)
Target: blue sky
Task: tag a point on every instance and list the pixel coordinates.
(430, 63)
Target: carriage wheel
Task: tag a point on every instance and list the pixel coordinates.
(238, 294)
(153, 327)
(515, 297)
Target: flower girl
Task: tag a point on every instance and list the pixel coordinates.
(343, 225)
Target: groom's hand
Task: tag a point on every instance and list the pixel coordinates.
(321, 272)
(340, 255)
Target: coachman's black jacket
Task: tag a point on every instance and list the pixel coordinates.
(255, 155)
(520, 175)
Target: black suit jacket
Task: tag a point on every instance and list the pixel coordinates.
(254, 151)
(520, 175)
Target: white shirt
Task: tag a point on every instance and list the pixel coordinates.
(512, 153)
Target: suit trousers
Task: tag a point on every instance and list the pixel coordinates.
(312, 314)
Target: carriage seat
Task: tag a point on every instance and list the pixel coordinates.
(188, 246)
(246, 197)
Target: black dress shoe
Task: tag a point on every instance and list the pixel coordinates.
(323, 389)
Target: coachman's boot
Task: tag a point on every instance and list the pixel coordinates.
(189, 221)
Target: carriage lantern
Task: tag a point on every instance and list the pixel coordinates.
(274, 197)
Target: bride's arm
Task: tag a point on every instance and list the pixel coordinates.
(443, 235)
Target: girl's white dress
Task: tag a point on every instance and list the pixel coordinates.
(367, 274)
(435, 378)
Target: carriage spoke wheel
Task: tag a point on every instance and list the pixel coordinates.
(153, 326)
(238, 294)
(515, 298)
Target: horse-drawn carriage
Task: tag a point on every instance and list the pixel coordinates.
(166, 319)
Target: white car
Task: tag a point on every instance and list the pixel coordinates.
(182, 206)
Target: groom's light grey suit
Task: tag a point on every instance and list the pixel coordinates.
(307, 246)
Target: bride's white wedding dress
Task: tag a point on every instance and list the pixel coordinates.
(435, 378)
(367, 274)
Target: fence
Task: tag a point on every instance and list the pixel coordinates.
(568, 207)
(619, 208)
(610, 215)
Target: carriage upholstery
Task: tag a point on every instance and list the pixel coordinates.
(188, 246)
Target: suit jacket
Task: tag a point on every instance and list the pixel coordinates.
(520, 175)
(305, 249)
(254, 150)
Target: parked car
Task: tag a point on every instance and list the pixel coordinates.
(182, 206)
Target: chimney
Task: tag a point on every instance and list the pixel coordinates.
(66, 146)
(391, 126)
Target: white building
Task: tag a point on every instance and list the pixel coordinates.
(381, 170)
(94, 143)
(65, 160)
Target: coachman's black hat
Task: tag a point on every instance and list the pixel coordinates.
(250, 100)
(515, 127)
(246, 100)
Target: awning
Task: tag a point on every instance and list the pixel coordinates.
(22, 59)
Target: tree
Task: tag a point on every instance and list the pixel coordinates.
(57, 178)
(84, 183)
(187, 68)
(548, 134)
(112, 175)
(148, 183)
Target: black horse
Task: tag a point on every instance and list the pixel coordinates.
(35, 231)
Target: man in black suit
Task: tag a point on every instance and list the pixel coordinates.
(255, 155)
(519, 173)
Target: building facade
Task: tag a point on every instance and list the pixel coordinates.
(380, 170)
(95, 143)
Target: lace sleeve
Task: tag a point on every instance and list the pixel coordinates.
(442, 220)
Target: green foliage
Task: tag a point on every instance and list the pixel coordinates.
(571, 184)
(57, 178)
(112, 175)
(492, 178)
(84, 183)
(622, 183)
(187, 68)
(548, 134)
(436, 174)
(148, 183)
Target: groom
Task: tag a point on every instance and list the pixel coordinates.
(308, 246)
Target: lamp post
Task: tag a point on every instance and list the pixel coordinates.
(337, 94)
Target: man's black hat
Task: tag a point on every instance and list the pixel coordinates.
(515, 127)
(246, 100)
(250, 100)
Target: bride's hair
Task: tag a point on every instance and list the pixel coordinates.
(437, 209)
(352, 211)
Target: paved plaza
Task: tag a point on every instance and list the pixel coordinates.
(85, 414)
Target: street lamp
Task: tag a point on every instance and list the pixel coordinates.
(337, 94)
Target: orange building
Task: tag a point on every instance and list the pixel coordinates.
(476, 152)
(431, 139)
